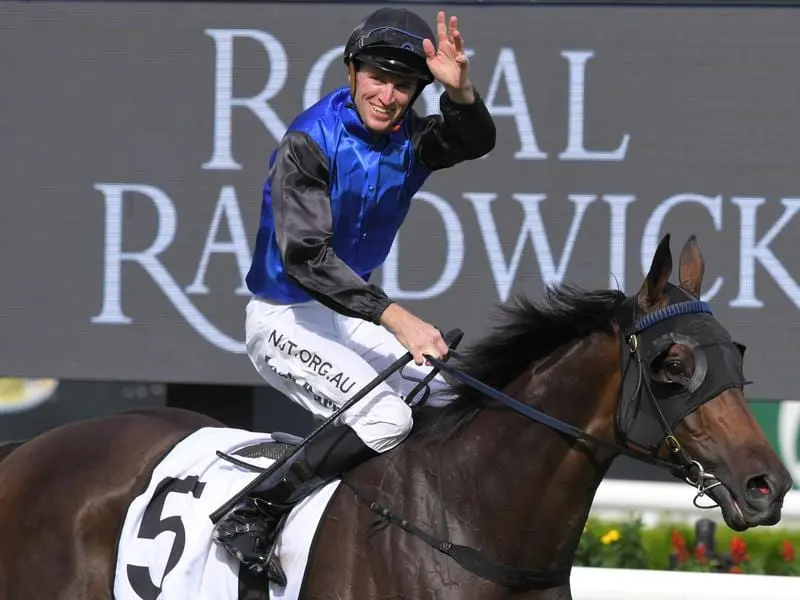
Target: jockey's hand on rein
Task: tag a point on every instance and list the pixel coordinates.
(416, 336)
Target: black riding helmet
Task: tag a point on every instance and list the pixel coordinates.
(391, 40)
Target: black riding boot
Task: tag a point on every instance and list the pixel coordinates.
(248, 531)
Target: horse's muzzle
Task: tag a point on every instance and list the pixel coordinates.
(758, 500)
(763, 495)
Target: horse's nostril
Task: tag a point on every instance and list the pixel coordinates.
(758, 488)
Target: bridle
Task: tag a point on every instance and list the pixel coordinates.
(682, 464)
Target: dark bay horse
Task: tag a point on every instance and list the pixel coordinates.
(488, 496)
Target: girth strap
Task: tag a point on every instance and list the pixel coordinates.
(514, 578)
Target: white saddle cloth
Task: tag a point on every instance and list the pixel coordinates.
(165, 550)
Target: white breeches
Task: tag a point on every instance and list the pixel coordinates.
(319, 359)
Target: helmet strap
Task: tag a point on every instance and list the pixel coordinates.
(351, 78)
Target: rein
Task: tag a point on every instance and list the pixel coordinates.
(521, 579)
(683, 464)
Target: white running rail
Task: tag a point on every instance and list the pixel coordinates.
(658, 502)
(633, 584)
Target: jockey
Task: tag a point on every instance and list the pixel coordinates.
(339, 187)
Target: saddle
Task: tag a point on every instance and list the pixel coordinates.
(272, 450)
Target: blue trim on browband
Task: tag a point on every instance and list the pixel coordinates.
(673, 310)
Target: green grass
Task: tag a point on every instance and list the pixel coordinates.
(768, 550)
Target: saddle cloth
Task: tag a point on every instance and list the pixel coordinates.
(165, 550)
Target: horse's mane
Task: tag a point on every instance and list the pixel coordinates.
(524, 331)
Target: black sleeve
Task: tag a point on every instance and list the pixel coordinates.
(462, 132)
(301, 207)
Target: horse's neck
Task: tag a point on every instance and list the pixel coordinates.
(519, 490)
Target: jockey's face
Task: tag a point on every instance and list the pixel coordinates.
(381, 97)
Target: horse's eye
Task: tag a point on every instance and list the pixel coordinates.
(674, 367)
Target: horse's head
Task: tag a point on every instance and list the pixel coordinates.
(682, 395)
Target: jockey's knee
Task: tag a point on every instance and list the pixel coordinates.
(384, 427)
(401, 422)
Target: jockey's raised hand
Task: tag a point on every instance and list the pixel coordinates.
(416, 336)
(449, 63)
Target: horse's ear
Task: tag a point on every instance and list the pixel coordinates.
(661, 268)
(691, 267)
